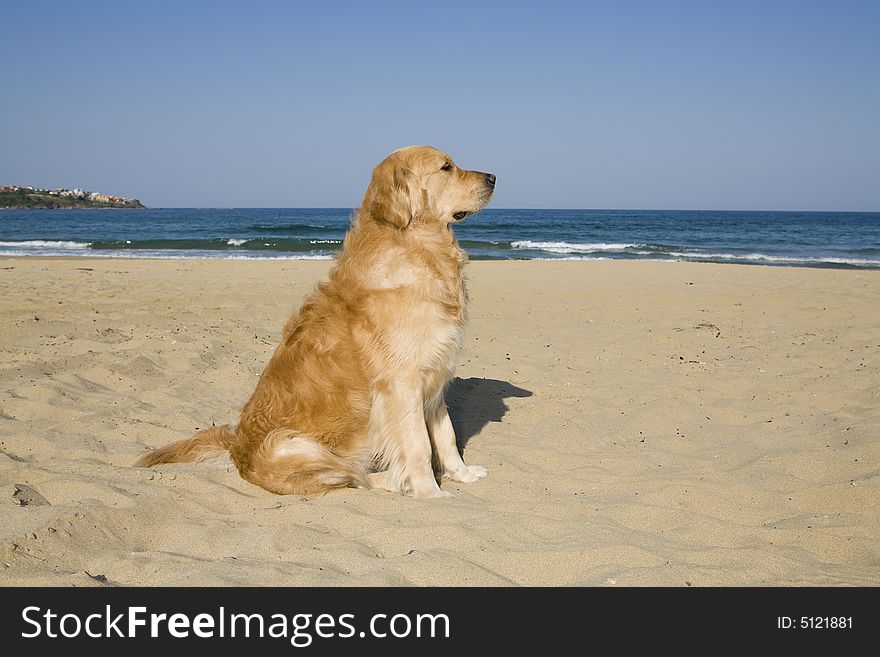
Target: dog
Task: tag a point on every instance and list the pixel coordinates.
(354, 394)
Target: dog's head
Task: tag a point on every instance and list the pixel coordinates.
(422, 184)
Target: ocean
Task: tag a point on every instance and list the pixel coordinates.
(814, 239)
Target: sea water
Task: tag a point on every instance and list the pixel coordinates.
(816, 239)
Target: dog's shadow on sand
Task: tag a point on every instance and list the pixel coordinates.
(474, 402)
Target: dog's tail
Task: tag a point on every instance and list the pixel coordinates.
(206, 444)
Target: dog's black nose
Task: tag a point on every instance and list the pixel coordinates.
(490, 177)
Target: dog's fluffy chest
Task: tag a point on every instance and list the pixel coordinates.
(420, 321)
(430, 328)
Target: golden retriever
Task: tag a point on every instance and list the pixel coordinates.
(353, 396)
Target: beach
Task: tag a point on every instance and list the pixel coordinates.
(644, 423)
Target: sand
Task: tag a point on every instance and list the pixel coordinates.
(649, 423)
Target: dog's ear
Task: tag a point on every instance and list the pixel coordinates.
(394, 195)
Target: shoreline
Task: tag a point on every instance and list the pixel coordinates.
(823, 266)
(85, 207)
(642, 425)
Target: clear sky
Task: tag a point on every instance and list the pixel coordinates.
(678, 105)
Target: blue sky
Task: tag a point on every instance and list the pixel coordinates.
(679, 105)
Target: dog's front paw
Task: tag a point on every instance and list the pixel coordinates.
(468, 474)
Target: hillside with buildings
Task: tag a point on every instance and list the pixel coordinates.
(13, 196)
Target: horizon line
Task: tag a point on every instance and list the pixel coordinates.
(352, 209)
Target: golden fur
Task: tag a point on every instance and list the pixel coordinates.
(353, 395)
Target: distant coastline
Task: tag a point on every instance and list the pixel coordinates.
(33, 198)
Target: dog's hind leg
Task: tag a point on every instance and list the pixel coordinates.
(383, 480)
(288, 462)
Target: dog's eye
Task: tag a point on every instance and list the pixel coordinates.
(446, 167)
